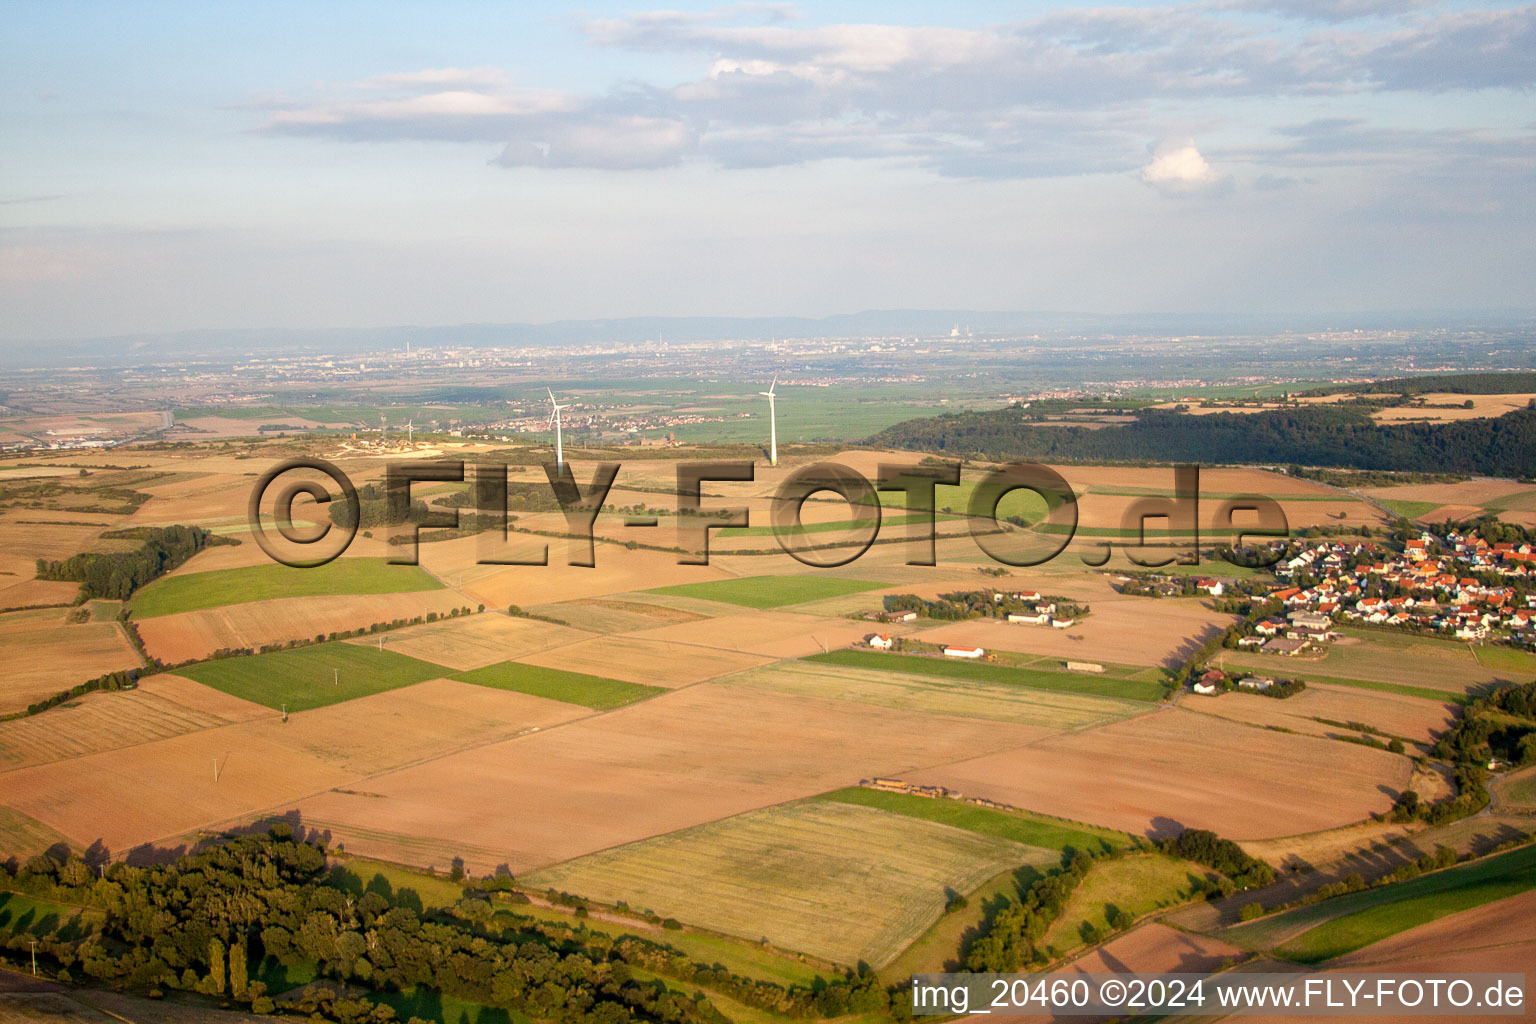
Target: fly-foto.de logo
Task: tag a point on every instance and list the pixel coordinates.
(1010, 540)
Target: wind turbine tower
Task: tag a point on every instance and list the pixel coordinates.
(410, 432)
(773, 425)
(554, 417)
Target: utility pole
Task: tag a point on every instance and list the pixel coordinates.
(34, 957)
(336, 677)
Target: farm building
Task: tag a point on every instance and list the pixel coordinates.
(906, 616)
(964, 652)
(1084, 666)
(1255, 683)
(1283, 645)
(1036, 618)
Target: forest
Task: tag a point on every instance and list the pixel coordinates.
(1317, 436)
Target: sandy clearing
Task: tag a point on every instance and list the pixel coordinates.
(1396, 715)
(194, 635)
(642, 660)
(475, 641)
(677, 760)
(1160, 772)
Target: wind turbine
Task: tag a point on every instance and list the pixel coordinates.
(773, 425)
(410, 431)
(554, 417)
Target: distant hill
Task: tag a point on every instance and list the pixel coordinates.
(1334, 436)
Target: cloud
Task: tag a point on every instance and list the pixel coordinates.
(610, 143)
(1180, 171)
(1074, 91)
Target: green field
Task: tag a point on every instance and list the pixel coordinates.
(193, 591)
(1136, 885)
(769, 591)
(950, 668)
(594, 692)
(1519, 788)
(994, 701)
(1409, 509)
(835, 881)
(1019, 826)
(28, 915)
(312, 677)
(1376, 914)
(435, 890)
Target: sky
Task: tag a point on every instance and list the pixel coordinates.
(174, 166)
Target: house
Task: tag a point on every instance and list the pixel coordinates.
(1212, 587)
(1259, 683)
(879, 641)
(1250, 641)
(964, 652)
(1213, 677)
(1036, 618)
(1202, 688)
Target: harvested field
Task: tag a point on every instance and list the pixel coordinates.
(1467, 492)
(1174, 769)
(194, 635)
(1048, 676)
(248, 554)
(1405, 717)
(697, 755)
(838, 882)
(1519, 788)
(195, 591)
(1482, 406)
(45, 658)
(413, 723)
(27, 593)
(642, 660)
(160, 707)
(773, 634)
(311, 677)
(614, 615)
(474, 641)
(998, 701)
(617, 571)
(1156, 949)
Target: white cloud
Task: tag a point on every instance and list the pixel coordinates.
(1182, 171)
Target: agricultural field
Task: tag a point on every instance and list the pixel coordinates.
(160, 707)
(1519, 788)
(772, 634)
(639, 659)
(1158, 773)
(195, 591)
(192, 636)
(593, 692)
(311, 677)
(46, 657)
(1050, 676)
(1323, 710)
(473, 641)
(1017, 826)
(1399, 662)
(1352, 922)
(697, 754)
(769, 591)
(1493, 936)
(838, 882)
(1156, 948)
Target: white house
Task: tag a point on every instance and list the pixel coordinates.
(879, 641)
